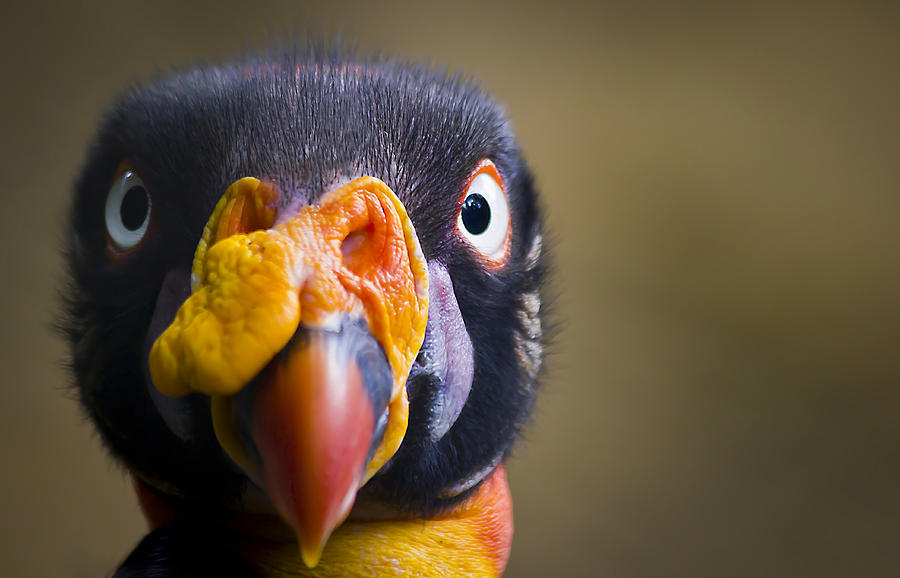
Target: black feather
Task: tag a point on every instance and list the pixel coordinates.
(185, 549)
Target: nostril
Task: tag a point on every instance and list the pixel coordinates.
(357, 250)
(372, 238)
(353, 242)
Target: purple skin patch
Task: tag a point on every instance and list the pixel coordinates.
(175, 290)
(446, 353)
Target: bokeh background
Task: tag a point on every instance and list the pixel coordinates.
(722, 184)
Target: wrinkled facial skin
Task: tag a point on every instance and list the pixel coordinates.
(308, 126)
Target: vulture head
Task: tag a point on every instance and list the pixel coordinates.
(305, 310)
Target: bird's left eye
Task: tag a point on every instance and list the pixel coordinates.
(484, 216)
(127, 211)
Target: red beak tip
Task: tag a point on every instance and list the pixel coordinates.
(311, 555)
(313, 534)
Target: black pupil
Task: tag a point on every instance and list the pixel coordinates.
(476, 214)
(134, 208)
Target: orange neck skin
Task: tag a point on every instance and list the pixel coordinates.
(472, 539)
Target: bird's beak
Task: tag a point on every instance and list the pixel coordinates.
(302, 328)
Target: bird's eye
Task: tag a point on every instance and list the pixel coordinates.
(484, 215)
(127, 211)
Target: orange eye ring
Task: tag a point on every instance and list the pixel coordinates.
(483, 220)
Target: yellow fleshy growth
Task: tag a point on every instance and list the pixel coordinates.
(353, 253)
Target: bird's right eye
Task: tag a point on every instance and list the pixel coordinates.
(127, 211)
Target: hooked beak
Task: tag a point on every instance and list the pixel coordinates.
(302, 329)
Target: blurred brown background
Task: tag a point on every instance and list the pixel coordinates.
(723, 187)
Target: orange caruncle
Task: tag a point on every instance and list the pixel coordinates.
(354, 254)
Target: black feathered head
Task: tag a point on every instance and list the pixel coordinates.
(393, 210)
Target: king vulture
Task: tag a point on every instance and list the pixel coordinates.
(304, 312)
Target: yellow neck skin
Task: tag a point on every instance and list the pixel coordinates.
(471, 540)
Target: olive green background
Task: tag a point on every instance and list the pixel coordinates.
(722, 188)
